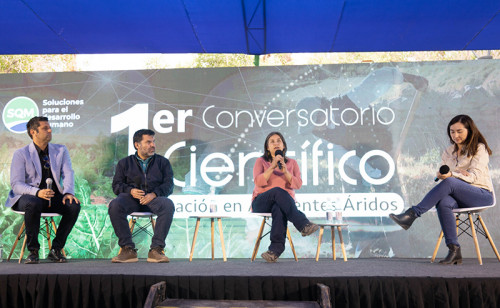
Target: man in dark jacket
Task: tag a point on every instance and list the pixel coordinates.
(142, 182)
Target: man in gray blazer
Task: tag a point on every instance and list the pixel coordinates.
(42, 180)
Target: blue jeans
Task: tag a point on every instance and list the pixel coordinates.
(281, 205)
(125, 204)
(450, 194)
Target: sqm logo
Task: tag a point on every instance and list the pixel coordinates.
(18, 112)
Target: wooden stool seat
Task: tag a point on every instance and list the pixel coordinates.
(265, 217)
(49, 220)
(197, 227)
(332, 228)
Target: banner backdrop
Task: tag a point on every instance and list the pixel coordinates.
(367, 138)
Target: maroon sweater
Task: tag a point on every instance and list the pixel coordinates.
(277, 178)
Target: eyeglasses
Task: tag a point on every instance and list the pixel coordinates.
(46, 162)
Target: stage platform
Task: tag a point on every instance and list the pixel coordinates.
(356, 283)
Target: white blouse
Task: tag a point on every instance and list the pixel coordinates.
(476, 166)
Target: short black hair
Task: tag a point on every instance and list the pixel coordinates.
(34, 123)
(141, 132)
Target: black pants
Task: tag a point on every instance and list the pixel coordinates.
(281, 205)
(33, 207)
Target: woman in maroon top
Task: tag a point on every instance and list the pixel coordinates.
(276, 177)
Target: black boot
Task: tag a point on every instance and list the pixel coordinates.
(405, 219)
(454, 255)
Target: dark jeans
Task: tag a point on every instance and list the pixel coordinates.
(125, 204)
(450, 194)
(281, 205)
(33, 208)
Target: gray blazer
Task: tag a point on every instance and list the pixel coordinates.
(26, 172)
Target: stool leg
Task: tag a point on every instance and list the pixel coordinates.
(291, 244)
(55, 232)
(259, 237)
(212, 236)
(339, 230)
(17, 240)
(153, 222)
(334, 251)
(22, 250)
(194, 238)
(219, 220)
(48, 232)
(474, 236)
(489, 237)
(440, 238)
(321, 229)
(132, 224)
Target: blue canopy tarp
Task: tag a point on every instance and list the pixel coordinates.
(246, 26)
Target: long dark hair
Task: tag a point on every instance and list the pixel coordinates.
(267, 155)
(474, 136)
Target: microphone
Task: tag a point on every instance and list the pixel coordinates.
(279, 152)
(49, 186)
(444, 169)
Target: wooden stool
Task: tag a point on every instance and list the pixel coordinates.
(265, 217)
(212, 218)
(49, 220)
(475, 226)
(339, 230)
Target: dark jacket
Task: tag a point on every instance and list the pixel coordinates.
(159, 177)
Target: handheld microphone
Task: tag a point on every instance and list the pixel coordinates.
(279, 152)
(444, 169)
(49, 186)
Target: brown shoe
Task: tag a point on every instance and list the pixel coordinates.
(127, 255)
(156, 255)
(309, 229)
(270, 256)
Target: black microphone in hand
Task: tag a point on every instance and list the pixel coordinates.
(444, 169)
(279, 152)
(49, 186)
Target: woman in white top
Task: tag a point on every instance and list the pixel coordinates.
(467, 184)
